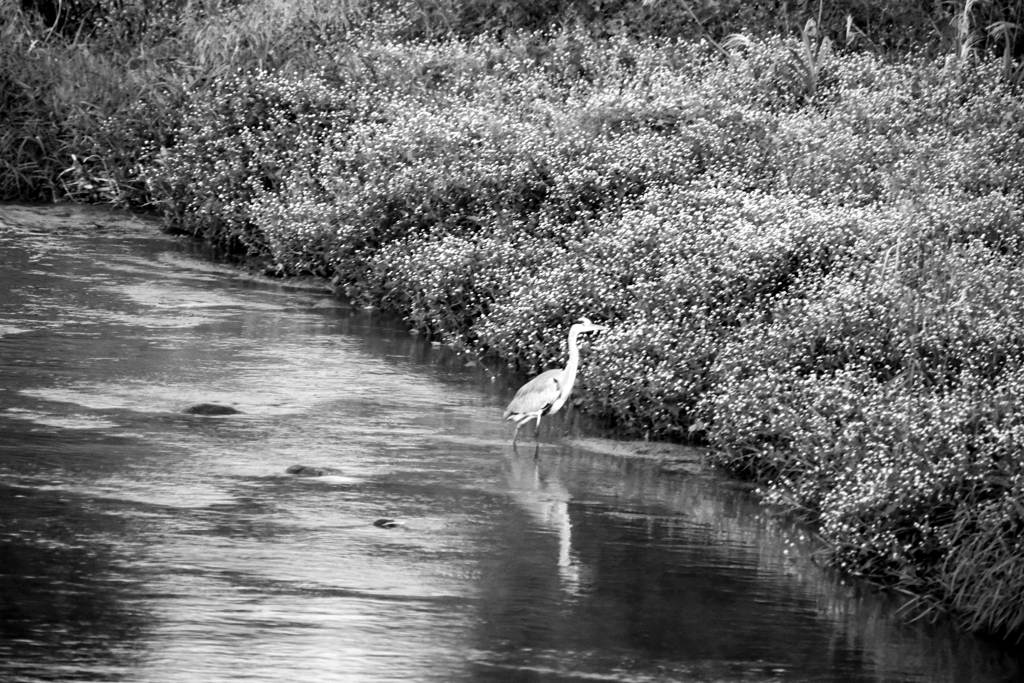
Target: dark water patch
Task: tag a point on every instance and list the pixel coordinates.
(66, 612)
(211, 409)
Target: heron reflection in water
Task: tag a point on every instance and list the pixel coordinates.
(537, 488)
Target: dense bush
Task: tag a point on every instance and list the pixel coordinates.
(809, 256)
(884, 397)
(240, 141)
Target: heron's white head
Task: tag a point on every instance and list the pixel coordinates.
(584, 325)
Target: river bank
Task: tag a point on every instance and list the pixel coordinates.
(67, 219)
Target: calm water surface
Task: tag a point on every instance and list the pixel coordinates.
(139, 543)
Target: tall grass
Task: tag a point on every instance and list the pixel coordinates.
(86, 113)
(80, 122)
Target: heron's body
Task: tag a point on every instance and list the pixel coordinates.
(547, 392)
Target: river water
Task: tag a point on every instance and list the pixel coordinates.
(142, 543)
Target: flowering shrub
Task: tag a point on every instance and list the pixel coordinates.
(236, 142)
(448, 282)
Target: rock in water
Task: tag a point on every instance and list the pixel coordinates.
(211, 409)
(307, 471)
(385, 523)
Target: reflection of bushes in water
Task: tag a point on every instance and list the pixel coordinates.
(59, 602)
(823, 284)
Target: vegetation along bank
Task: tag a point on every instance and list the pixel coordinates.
(802, 221)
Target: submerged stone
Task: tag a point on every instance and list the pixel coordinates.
(386, 523)
(211, 409)
(308, 471)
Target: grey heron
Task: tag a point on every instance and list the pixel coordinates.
(548, 391)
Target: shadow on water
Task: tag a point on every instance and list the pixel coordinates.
(58, 618)
(142, 543)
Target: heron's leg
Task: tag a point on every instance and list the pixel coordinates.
(536, 434)
(516, 433)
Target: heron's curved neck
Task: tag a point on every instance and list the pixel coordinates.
(574, 355)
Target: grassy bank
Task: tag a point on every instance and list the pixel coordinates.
(809, 248)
